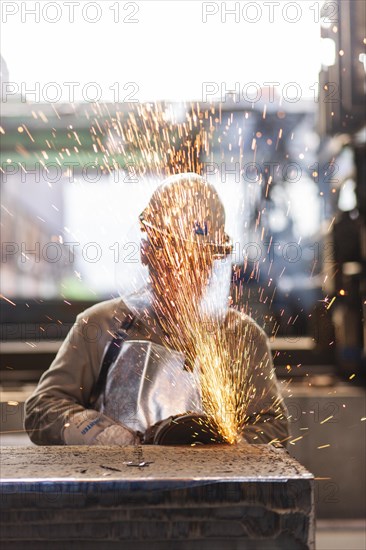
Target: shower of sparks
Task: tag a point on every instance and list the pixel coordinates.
(293, 441)
(162, 140)
(180, 266)
(152, 141)
(7, 300)
(326, 419)
(179, 273)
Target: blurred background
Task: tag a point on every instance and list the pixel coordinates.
(100, 101)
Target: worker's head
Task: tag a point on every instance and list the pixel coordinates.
(184, 224)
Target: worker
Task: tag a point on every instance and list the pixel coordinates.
(132, 365)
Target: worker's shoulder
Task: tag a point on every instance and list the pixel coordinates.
(241, 321)
(107, 310)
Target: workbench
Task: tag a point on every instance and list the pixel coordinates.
(216, 497)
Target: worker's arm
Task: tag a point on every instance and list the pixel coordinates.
(266, 419)
(56, 413)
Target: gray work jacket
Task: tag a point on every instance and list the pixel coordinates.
(66, 387)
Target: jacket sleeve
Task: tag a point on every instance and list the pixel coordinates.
(266, 420)
(61, 398)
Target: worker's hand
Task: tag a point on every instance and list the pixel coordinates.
(150, 434)
(90, 427)
(183, 429)
(117, 435)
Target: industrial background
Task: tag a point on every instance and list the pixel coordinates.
(313, 157)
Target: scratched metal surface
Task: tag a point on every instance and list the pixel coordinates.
(241, 462)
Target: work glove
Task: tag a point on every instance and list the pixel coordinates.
(90, 427)
(183, 429)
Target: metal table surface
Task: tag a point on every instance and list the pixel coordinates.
(217, 496)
